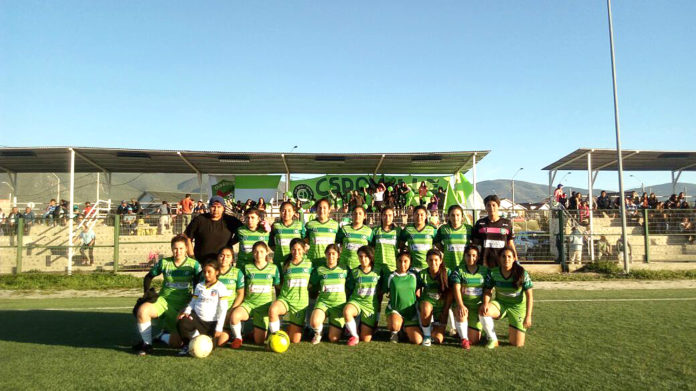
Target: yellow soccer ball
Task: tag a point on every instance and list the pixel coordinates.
(201, 346)
(279, 342)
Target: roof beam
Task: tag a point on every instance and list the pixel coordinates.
(285, 163)
(465, 164)
(88, 160)
(379, 164)
(7, 170)
(574, 159)
(616, 161)
(685, 167)
(188, 162)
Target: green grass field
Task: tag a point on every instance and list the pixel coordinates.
(644, 344)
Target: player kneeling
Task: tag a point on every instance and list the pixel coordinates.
(180, 275)
(467, 286)
(330, 281)
(294, 297)
(509, 281)
(435, 298)
(205, 314)
(233, 279)
(402, 309)
(260, 277)
(364, 285)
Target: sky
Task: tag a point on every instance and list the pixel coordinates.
(529, 81)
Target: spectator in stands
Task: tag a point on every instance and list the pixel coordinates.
(559, 196)
(620, 250)
(379, 194)
(652, 201)
(631, 208)
(186, 211)
(575, 245)
(123, 208)
(603, 201)
(3, 221)
(50, 211)
(261, 205)
(165, 220)
(87, 209)
(200, 208)
(681, 201)
(135, 206)
(127, 218)
(584, 213)
(634, 197)
(211, 232)
(28, 220)
(687, 227)
(671, 203)
(644, 202)
(13, 220)
(422, 192)
(604, 248)
(87, 237)
(440, 194)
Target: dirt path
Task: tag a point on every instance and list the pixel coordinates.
(545, 285)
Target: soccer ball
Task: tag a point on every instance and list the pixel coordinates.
(279, 342)
(201, 346)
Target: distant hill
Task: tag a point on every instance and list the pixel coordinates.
(42, 187)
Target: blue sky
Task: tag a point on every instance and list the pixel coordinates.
(531, 81)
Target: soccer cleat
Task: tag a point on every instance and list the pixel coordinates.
(427, 341)
(236, 343)
(492, 344)
(145, 349)
(352, 341)
(316, 339)
(184, 351)
(465, 344)
(394, 338)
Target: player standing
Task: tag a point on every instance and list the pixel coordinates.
(283, 232)
(418, 237)
(493, 233)
(248, 235)
(384, 241)
(351, 237)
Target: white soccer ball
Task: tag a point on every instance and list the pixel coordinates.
(201, 346)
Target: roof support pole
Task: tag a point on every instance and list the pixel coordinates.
(71, 215)
(590, 202)
(108, 183)
(200, 185)
(287, 173)
(473, 168)
(199, 175)
(624, 237)
(378, 166)
(13, 184)
(675, 180)
(552, 177)
(594, 176)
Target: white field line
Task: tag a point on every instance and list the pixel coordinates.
(535, 301)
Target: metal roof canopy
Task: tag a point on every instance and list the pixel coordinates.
(55, 159)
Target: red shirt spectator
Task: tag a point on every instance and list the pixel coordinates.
(187, 205)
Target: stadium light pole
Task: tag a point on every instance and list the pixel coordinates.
(12, 189)
(619, 159)
(564, 176)
(57, 187)
(513, 186)
(642, 185)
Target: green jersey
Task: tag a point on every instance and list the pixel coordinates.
(351, 240)
(320, 235)
(259, 283)
(430, 286)
(471, 284)
(363, 287)
(330, 283)
(505, 291)
(178, 280)
(453, 242)
(386, 247)
(295, 283)
(233, 280)
(281, 236)
(247, 238)
(419, 242)
(401, 289)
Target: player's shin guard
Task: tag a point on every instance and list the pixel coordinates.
(450, 320)
(273, 326)
(352, 328)
(489, 327)
(145, 330)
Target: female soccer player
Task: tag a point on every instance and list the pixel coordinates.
(180, 274)
(250, 233)
(260, 277)
(363, 286)
(467, 287)
(435, 298)
(233, 279)
(510, 281)
(205, 314)
(453, 237)
(402, 309)
(294, 296)
(418, 237)
(351, 237)
(320, 232)
(384, 241)
(330, 282)
(493, 233)
(283, 232)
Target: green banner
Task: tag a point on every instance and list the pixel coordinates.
(223, 188)
(316, 188)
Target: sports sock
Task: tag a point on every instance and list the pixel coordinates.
(195, 334)
(273, 326)
(461, 328)
(145, 330)
(318, 329)
(450, 320)
(165, 338)
(427, 330)
(352, 328)
(236, 330)
(489, 327)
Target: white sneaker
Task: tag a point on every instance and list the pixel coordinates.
(394, 338)
(184, 351)
(427, 341)
(316, 339)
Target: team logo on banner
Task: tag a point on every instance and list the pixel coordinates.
(303, 193)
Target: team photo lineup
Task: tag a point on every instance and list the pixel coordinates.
(434, 280)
